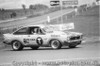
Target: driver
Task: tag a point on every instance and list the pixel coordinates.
(34, 31)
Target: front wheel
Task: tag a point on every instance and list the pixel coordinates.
(17, 45)
(55, 44)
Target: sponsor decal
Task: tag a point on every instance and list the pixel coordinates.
(28, 40)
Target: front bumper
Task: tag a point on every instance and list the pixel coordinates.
(74, 42)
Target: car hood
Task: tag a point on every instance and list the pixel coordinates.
(73, 33)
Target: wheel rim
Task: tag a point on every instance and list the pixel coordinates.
(16, 45)
(55, 44)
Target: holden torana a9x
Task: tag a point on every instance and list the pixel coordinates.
(36, 36)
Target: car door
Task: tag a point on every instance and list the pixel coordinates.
(32, 35)
(38, 36)
(42, 38)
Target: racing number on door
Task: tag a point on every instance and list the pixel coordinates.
(39, 41)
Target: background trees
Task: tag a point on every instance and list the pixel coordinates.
(38, 7)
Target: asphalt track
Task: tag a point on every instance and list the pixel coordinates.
(35, 20)
(85, 50)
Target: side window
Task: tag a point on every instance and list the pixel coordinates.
(36, 30)
(22, 31)
(40, 31)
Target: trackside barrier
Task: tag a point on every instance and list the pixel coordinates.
(58, 62)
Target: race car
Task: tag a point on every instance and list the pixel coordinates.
(36, 36)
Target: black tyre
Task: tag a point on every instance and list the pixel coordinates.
(35, 47)
(17, 45)
(55, 44)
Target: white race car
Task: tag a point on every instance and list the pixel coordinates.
(36, 36)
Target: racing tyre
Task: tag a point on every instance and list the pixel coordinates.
(17, 45)
(55, 44)
(35, 47)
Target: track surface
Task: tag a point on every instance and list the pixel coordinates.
(85, 50)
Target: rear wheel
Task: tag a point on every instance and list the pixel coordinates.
(35, 47)
(17, 45)
(55, 44)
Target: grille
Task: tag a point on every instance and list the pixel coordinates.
(75, 38)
